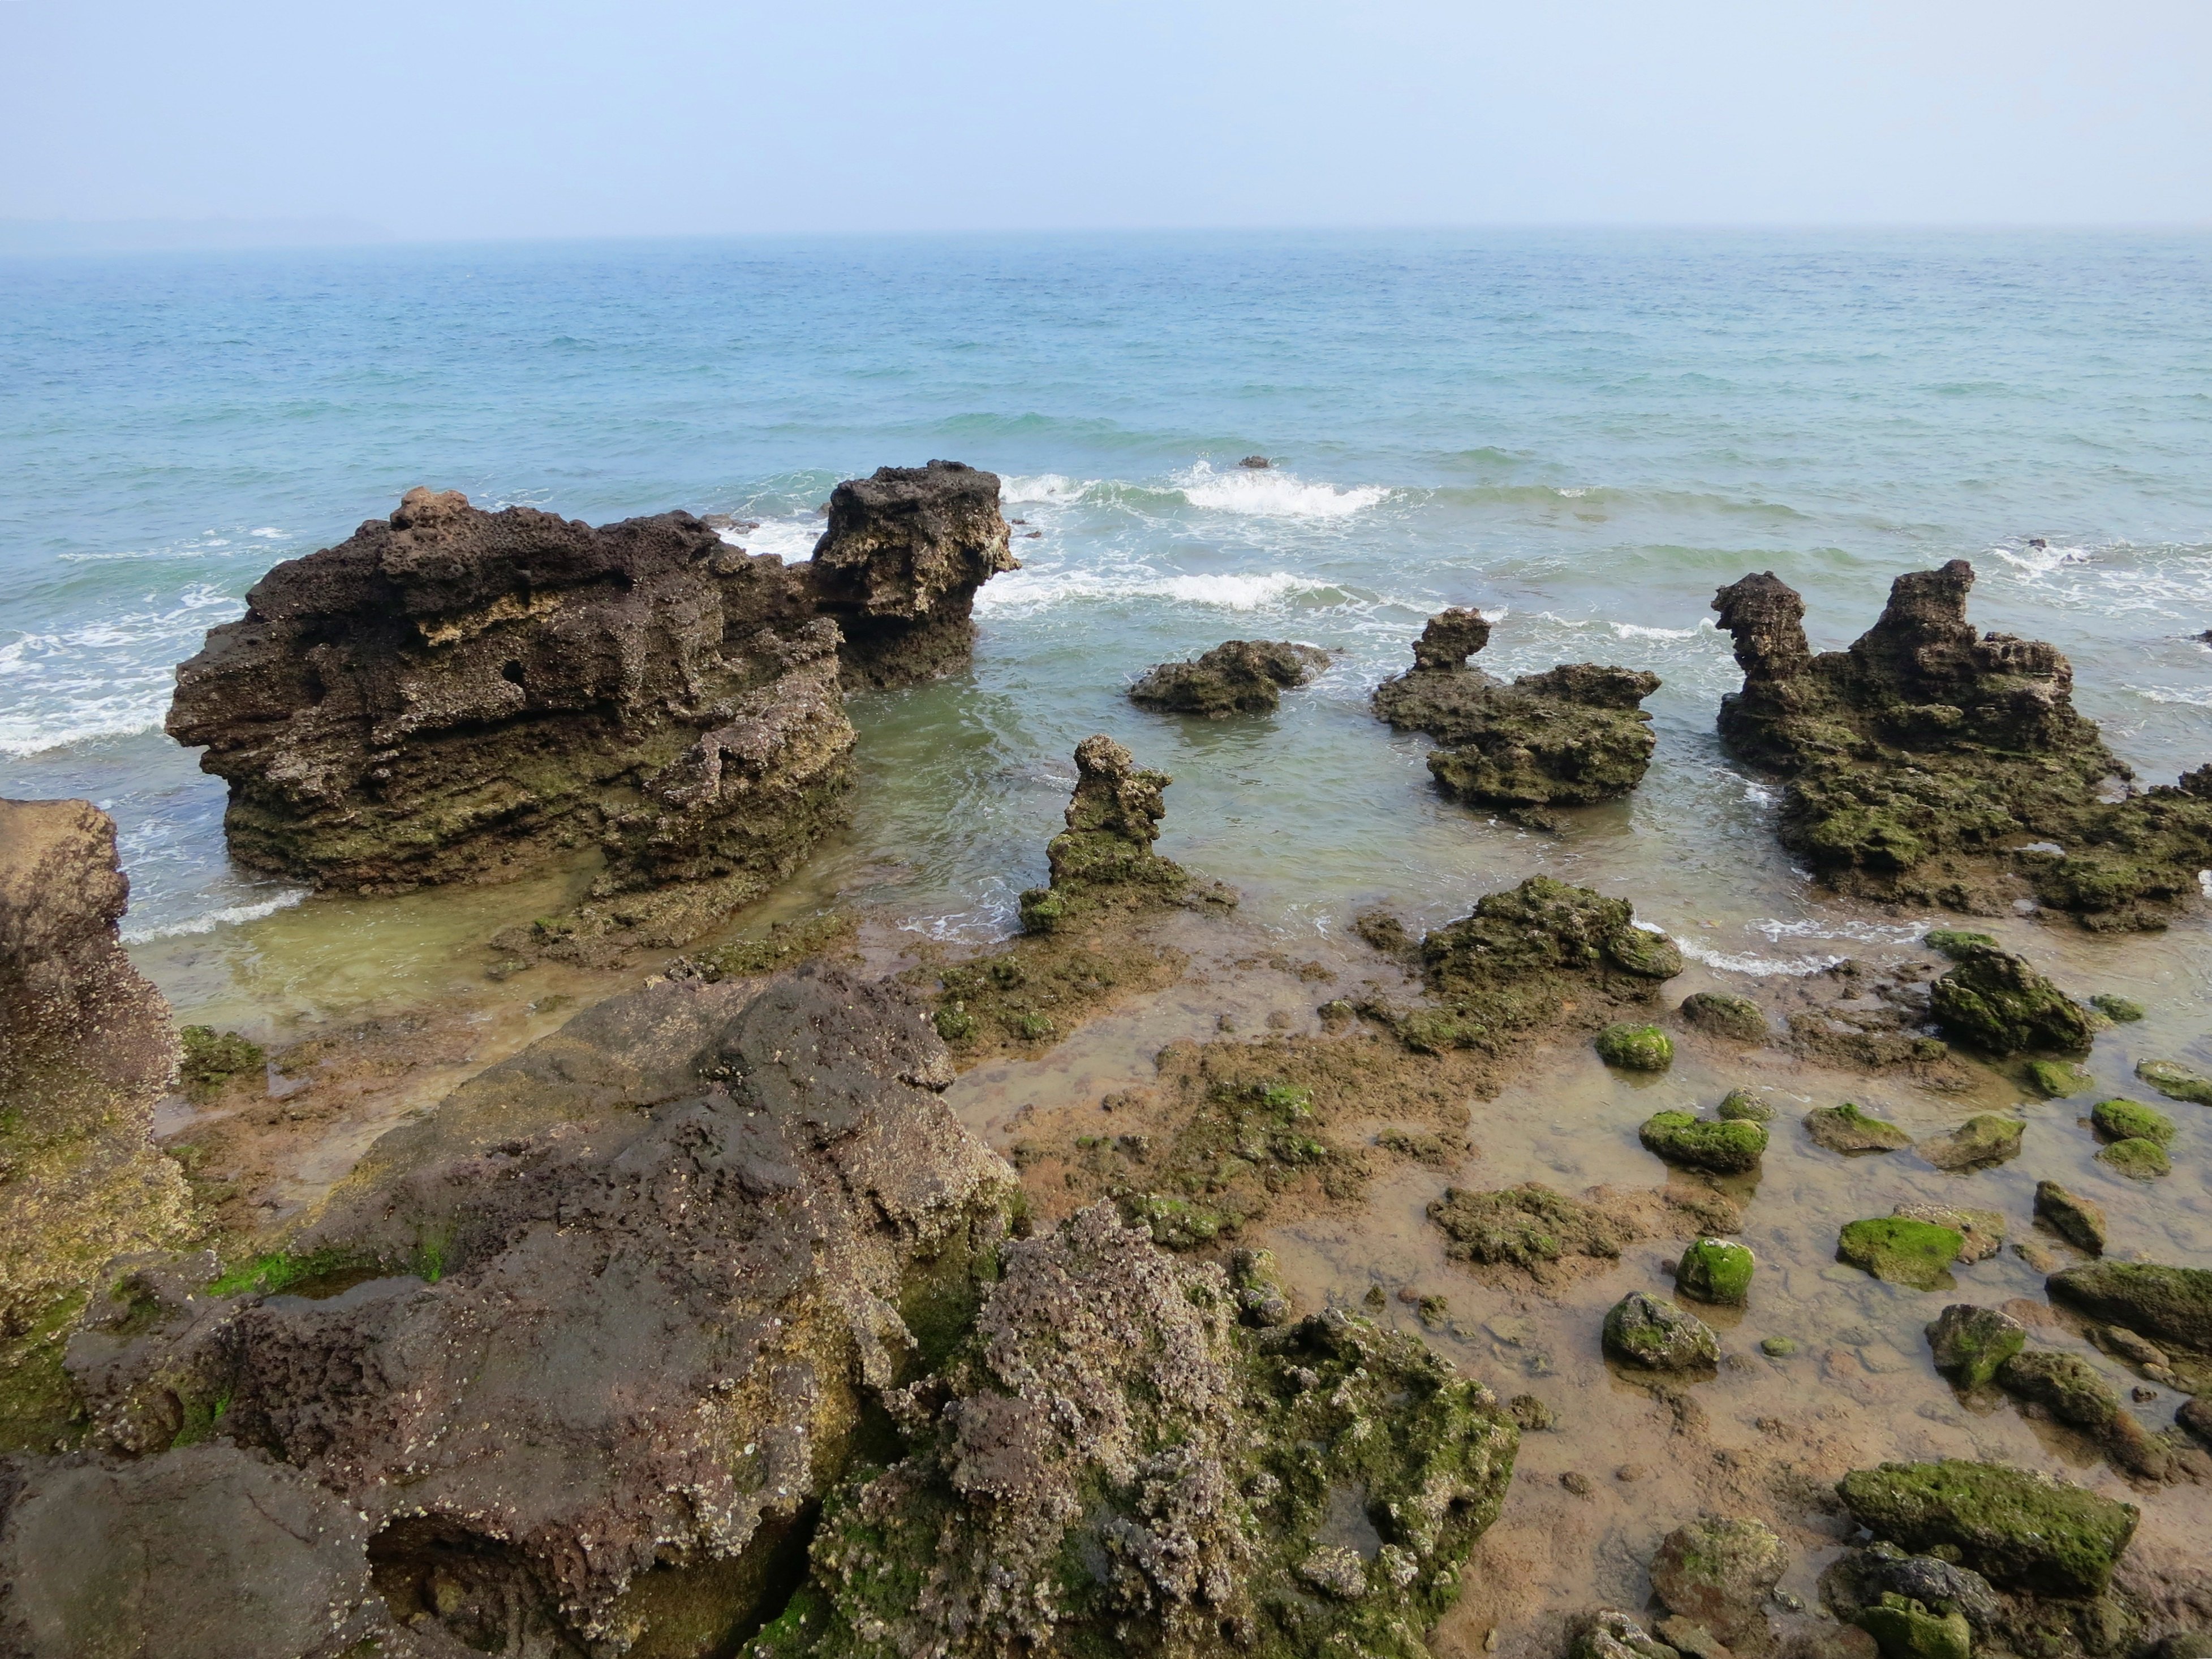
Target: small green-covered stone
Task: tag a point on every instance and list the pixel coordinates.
(1651, 1332)
(2176, 1082)
(1717, 1270)
(2131, 1120)
(1635, 1048)
(1995, 1000)
(1738, 1018)
(1846, 1128)
(2020, 1530)
(1981, 1139)
(2055, 1079)
(1742, 1106)
(1969, 1343)
(1903, 1629)
(1778, 1348)
(1953, 942)
(1726, 1148)
(2077, 1220)
(1901, 1252)
(2139, 1160)
(2121, 1011)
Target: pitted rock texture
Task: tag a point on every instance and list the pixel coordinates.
(1237, 677)
(86, 1048)
(586, 1380)
(1112, 1462)
(452, 695)
(1104, 857)
(1572, 736)
(1933, 764)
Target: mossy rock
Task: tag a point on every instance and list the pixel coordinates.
(1955, 942)
(1898, 1251)
(2020, 1531)
(1981, 1140)
(1743, 1106)
(2055, 1079)
(2131, 1120)
(2121, 1011)
(2175, 1081)
(2138, 1159)
(2076, 1219)
(1903, 1629)
(1525, 1226)
(1652, 1334)
(1635, 1048)
(1717, 1271)
(1737, 1018)
(1847, 1129)
(1993, 1000)
(2171, 1306)
(1969, 1343)
(212, 1058)
(1725, 1147)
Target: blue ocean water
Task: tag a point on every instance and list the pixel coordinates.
(1585, 432)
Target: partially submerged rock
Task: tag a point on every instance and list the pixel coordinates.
(1652, 1334)
(1900, 1251)
(2176, 1081)
(1572, 736)
(1611, 1634)
(2018, 1530)
(1104, 857)
(1969, 1343)
(1717, 1271)
(1847, 1129)
(2056, 1079)
(1112, 1461)
(2078, 1220)
(2068, 1388)
(1525, 1226)
(1237, 677)
(1904, 1628)
(1635, 1047)
(2169, 1304)
(1718, 1014)
(1719, 1570)
(1983, 1230)
(1994, 1001)
(1981, 1140)
(86, 1049)
(2138, 1159)
(1726, 1147)
(2131, 1120)
(1935, 765)
(1745, 1106)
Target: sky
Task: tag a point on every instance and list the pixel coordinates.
(576, 117)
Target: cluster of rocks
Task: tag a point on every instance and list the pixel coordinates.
(1937, 765)
(1572, 736)
(454, 695)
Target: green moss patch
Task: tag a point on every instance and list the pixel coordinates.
(1727, 1147)
(212, 1058)
(2020, 1530)
(2176, 1081)
(1635, 1048)
(2139, 1160)
(1898, 1251)
(2131, 1120)
(1525, 1226)
(1717, 1270)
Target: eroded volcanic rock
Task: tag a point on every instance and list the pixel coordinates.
(86, 1049)
(1111, 1461)
(1572, 736)
(452, 694)
(1934, 765)
(1237, 677)
(585, 1367)
(1104, 857)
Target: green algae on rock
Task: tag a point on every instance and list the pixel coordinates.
(1105, 857)
(1718, 1014)
(2137, 1158)
(1237, 677)
(1572, 736)
(1847, 1129)
(2176, 1082)
(1652, 1334)
(2131, 1120)
(1112, 1462)
(1718, 1571)
(1985, 1230)
(1635, 1048)
(1525, 1226)
(2076, 1219)
(1994, 1001)
(212, 1058)
(1726, 1147)
(2170, 1305)
(1969, 1343)
(2018, 1530)
(2071, 1390)
(1981, 1140)
(2121, 1011)
(2056, 1080)
(1898, 1251)
(1930, 764)
(1609, 1633)
(1903, 1629)
(1225, 1161)
(1717, 1271)
(1746, 1106)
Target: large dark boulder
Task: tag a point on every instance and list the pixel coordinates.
(1935, 765)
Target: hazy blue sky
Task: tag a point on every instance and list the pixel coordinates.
(552, 118)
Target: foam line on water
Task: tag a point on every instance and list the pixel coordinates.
(1272, 493)
(1758, 966)
(1022, 591)
(208, 920)
(103, 678)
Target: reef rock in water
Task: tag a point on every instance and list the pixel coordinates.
(1572, 736)
(584, 1346)
(1112, 1462)
(1237, 677)
(1933, 764)
(87, 1047)
(452, 694)
(1104, 859)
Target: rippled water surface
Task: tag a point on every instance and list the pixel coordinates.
(1584, 435)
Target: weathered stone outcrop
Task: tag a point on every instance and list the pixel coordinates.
(1933, 764)
(452, 694)
(1572, 736)
(1237, 677)
(586, 1367)
(86, 1049)
(1111, 1461)
(1104, 859)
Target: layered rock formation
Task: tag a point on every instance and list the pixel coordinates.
(1112, 1462)
(1572, 736)
(584, 1363)
(86, 1049)
(1237, 677)
(1934, 765)
(451, 694)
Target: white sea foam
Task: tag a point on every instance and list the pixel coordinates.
(1763, 967)
(1272, 493)
(208, 920)
(1864, 932)
(1047, 488)
(267, 532)
(2194, 697)
(104, 678)
(790, 540)
(1038, 590)
(2040, 561)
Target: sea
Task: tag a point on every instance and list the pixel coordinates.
(1582, 432)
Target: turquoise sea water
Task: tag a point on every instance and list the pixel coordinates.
(1587, 433)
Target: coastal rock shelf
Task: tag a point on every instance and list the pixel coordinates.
(1932, 764)
(452, 695)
